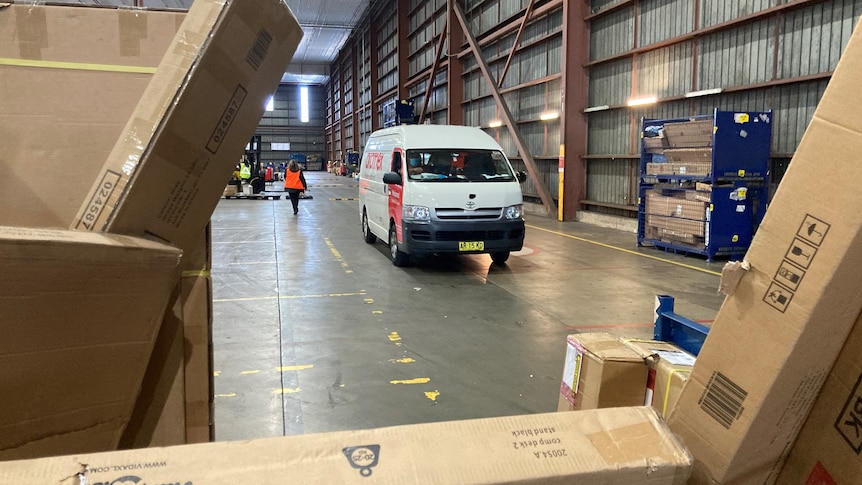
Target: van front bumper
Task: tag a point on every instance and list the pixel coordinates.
(444, 237)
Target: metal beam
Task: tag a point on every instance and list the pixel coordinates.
(438, 53)
(529, 162)
(573, 121)
(515, 43)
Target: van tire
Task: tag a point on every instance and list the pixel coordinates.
(398, 258)
(500, 257)
(367, 235)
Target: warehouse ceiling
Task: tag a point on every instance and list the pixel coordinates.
(327, 24)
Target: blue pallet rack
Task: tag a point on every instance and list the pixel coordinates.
(670, 327)
(738, 177)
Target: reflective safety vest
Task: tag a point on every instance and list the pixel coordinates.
(292, 181)
(245, 171)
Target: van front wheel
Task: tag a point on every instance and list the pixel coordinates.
(398, 258)
(369, 236)
(500, 257)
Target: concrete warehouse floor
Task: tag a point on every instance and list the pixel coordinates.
(315, 330)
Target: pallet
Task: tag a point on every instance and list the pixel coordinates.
(261, 196)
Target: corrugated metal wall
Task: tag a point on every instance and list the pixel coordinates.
(763, 55)
(283, 125)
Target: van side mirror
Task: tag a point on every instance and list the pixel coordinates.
(521, 176)
(392, 178)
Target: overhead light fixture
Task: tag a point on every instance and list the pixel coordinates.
(495, 124)
(551, 115)
(642, 101)
(703, 92)
(593, 109)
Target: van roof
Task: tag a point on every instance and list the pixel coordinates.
(441, 136)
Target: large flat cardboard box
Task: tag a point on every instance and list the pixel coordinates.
(167, 171)
(777, 335)
(620, 446)
(79, 312)
(669, 368)
(71, 77)
(600, 371)
(829, 446)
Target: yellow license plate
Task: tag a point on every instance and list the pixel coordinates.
(471, 246)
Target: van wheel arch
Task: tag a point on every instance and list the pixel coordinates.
(367, 235)
(398, 258)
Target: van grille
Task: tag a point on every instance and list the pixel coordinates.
(465, 235)
(455, 214)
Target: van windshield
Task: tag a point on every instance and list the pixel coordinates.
(442, 165)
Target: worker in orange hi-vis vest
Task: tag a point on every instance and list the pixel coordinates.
(294, 184)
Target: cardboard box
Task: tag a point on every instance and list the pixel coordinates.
(654, 144)
(662, 205)
(669, 368)
(692, 168)
(776, 337)
(691, 134)
(828, 448)
(80, 313)
(76, 73)
(676, 225)
(689, 155)
(197, 326)
(601, 372)
(167, 171)
(158, 418)
(618, 446)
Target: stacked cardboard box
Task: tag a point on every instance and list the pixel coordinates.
(600, 371)
(828, 448)
(57, 51)
(669, 368)
(777, 335)
(689, 134)
(619, 446)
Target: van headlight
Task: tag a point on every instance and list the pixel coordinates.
(513, 212)
(416, 213)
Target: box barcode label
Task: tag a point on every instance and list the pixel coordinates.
(722, 399)
(258, 51)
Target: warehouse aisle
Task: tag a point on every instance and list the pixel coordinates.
(315, 330)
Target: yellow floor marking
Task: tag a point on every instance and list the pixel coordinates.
(287, 297)
(432, 395)
(405, 360)
(629, 251)
(337, 255)
(394, 337)
(377, 312)
(286, 391)
(369, 301)
(294, 367)
(232, 394)
(418, 380)
(216, 373)
(247, 372)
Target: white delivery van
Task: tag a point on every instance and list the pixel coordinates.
(433, 189)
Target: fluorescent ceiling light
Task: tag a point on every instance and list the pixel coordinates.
(592, 109)
(495, 124)
(642, 101)
(704, 92)
(549, 116)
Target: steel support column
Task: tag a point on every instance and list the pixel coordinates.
(438, 53)
(573, 121)
(455, 73)
(403, 43)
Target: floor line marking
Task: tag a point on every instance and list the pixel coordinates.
(293, 368)
(249, 372)
(629, 251)
(231, 394)
(286, 297)
(418, 380)
(287, 391)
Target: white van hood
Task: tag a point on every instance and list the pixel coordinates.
(463, 195)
